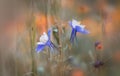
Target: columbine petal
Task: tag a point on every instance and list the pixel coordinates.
(75, 23)
(40, 47)
(45, 41)
(77, 27)
(73, 35)
(81, 26)
(52, 46)
(70, 23)
(82, 30)
(44, 38)
(49, 33)
(40, 43)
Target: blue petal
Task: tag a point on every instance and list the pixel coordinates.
(70, 23)
(82, 30)
(51, 46)
(73, 35)
(49, 33)
(40, 47)
(49, 43)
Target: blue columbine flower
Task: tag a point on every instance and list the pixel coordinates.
(77, 27)
(44, 41)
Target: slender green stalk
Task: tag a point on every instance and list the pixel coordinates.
(32, 47)
(32, 34)
(48, 51)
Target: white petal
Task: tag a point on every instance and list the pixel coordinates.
(82, 26)
(40, 43)
(75, 23)
(44, 38)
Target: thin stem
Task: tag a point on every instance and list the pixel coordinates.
(32, 39)
(48, 25)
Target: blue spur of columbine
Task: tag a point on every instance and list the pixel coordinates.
(77, 27)
(44, 41)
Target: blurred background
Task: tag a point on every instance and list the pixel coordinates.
(23, 21)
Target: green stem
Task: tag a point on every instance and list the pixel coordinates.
(32, 34)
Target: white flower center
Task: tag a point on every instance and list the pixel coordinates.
(44, 38)
(76, 23)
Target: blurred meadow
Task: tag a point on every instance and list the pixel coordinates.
(22, 22)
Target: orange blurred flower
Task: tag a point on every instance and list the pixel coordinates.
(77, 73)
(92, 23)
(67, 4)
(83, 9)
(41, 21)
(98, 45)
